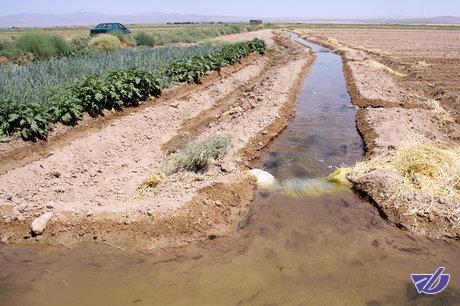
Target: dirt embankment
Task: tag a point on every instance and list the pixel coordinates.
(91, 180)
(392, 117)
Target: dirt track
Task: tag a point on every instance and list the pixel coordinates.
(90, 181)
(396, 110)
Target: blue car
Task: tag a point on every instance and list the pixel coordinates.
(105, 28)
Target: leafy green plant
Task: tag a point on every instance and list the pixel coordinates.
(30, 119)
(61, 46)
(64, 107)
(119, 88)
(146, 39)
(191, 70)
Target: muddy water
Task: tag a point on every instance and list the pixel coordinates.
(328, 248)
(323, 134)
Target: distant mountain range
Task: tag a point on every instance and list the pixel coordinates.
(87, 18)
(403, 20)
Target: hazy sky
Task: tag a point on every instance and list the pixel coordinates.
(246, 8)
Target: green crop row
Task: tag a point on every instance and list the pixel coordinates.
(191, 70)
(117, 89)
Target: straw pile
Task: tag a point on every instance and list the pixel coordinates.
(425, 168)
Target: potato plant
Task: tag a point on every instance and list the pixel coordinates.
(113, 90)
(191, 70)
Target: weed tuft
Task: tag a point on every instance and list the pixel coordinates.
(41, 45)
(198, 158)
(79, 43)
(105, 42)
(146, 39)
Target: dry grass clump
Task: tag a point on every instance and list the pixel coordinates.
(105, 42)
(198, 158)
(440, 113)
(419, 181)
(332, 41)
(339, 176)
(232, 111)
(444, 117)
(152, 181)
(428, 169)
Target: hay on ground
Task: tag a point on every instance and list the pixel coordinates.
(426, 168)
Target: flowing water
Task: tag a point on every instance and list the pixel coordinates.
(301, 247)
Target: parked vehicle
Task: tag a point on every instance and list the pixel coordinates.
(105, 28)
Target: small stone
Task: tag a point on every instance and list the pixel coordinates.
(375, 243)
(81, 233)
(263, 178)
(39, 224)
(4, 238)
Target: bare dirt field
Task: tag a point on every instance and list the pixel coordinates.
(266, 35)
(430, 59)
(407, 88)
(91, 180)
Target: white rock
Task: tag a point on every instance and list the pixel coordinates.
(38, 225)
(264, 179)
